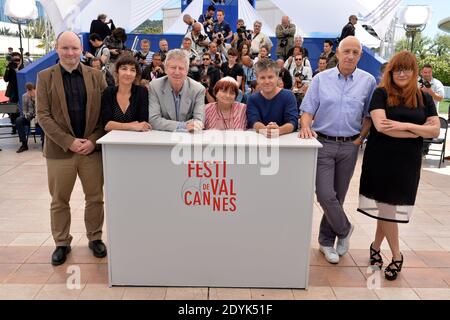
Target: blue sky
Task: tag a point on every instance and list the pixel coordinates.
(440, 10)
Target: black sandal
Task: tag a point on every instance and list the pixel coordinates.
(375, 257)
(392, 270)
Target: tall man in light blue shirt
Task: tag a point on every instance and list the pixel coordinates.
(338, 102)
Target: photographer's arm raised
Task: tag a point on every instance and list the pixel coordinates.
(434, 95)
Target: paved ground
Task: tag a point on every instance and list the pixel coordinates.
(26, 245)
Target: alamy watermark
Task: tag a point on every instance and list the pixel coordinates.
(230, 147)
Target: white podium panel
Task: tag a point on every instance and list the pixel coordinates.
(211, 224)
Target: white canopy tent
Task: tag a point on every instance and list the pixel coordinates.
(311, 17)
(330, 16)
(77, 15)
(245, 12)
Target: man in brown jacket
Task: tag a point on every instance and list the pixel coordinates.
(68, 110)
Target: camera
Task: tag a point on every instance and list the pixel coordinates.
(201, 38)
(140, 56)
(283, 42)
(204, 80)
(14, 64)
(424, 83)
(299, 75)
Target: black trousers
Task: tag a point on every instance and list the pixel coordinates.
(21, 123)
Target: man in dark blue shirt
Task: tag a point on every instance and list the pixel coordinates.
(222, 29)
(272, 111)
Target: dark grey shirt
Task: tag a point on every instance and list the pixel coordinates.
(76, 97)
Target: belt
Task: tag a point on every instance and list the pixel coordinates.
(340, 139)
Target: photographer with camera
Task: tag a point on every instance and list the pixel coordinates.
(101, 51)
(430, 85)
(217, 55)
(207, 20)
(194, 59)
(222, 30)
(163, 48)
(100, 26)
(302, 66)
(242, 34)
(285, 33)
(209, 75)
(435, 89)
(154, 70)
(284, 75)
(259, 40)
(144, 56)
(299, 88)
(200, 40)
(116, 45)
(12, 91)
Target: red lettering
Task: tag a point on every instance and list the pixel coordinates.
(208, 171)
(197, 200)
(198, 170)
(232, 193)
(224, 169)
(225, 205)
(233, 204)
(216, 204)
(186, 194)
(214, 186)
(223, 188)
(190, 168)
(206, 198)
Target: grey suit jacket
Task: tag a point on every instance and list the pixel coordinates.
(162, 115)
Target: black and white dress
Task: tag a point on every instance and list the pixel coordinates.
(391, 166)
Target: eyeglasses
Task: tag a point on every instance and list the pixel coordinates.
(298, 59)
(406, 72)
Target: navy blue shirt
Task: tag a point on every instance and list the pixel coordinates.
(223, 28)
(281, 109)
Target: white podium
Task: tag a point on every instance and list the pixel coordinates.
(215, 209)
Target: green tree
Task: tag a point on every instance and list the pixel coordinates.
(441, 45)
(420, 48)
(435, 52)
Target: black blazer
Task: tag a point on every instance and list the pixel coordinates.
(137, 110)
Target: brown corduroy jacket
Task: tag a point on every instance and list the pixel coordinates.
(53, 114)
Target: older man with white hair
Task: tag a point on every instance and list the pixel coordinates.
(338, 101)
(259, 39)
(298, 42)
(176, 102)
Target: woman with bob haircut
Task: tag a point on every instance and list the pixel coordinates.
(226, 113)
(402, 117)
(125, 106)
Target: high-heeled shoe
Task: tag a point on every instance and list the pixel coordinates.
(375, 257)
(392, 270)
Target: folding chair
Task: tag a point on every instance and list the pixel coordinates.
(439, 140)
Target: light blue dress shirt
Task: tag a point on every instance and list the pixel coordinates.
(339, 104)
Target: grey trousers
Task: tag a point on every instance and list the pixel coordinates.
(335, 166)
